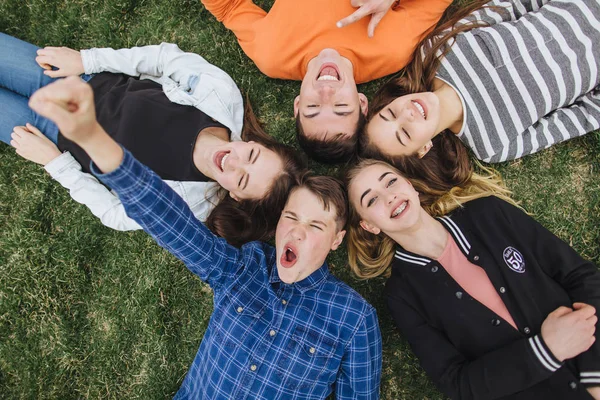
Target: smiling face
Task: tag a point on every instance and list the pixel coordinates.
(306, 232)
(246, 169)
(329, 102)
(406, 125)
(385, 201)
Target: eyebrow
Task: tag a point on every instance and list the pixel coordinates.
(368, 190)
(314, 221)
(363, 195)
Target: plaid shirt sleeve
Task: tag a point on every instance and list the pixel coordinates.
(361, 366)
(168, 219)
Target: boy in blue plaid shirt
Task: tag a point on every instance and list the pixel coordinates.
(283, 327)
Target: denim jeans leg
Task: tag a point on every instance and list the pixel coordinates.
(16, 111)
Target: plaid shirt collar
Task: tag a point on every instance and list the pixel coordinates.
(305, 284)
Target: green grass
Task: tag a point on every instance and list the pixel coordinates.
(87, 312)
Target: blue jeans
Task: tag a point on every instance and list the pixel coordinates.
(20, 77)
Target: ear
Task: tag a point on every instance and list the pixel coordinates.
(234, 197)
(369, 228)
(339, 237)
(296, 105)
(425, 149)
(364, 103)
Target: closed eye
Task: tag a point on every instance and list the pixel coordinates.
(318, 227)
(391, 182)
(392, 113)
(250, 156)
(405, 131)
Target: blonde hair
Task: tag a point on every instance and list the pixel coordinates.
(371, 255)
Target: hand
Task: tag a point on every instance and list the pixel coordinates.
(68, 61)
(376, 8)
(595, 392)
(568, 332)
(32, 145)
(69, 103)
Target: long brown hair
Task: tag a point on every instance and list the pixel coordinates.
(447, 163)
(370, 255)
(244, 221)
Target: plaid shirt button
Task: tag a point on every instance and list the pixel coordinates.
(272, 333)
(240, 309)
(283, 302)
(253, 367)
(312, 350)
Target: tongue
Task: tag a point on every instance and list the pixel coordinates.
(329, 71)
(289, 256)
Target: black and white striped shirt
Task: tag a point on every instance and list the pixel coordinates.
(530, 78)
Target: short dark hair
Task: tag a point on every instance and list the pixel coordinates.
(334, 150)
(331, 191)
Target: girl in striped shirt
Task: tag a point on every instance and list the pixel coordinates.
(507, 79)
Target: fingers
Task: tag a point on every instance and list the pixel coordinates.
(560, 311)
(585, 312)
(579, 305)
(35, 130)
(362, 12)
(375, 19)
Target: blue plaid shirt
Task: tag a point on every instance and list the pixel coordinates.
(266, 339)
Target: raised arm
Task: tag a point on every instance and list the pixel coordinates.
(146, 198)
(361, 364)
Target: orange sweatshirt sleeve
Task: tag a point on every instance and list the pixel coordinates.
(239, 16)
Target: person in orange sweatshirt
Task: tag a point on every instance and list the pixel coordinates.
(300, 40)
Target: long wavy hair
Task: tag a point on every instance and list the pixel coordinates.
(447, 163)
(370, 255)
(244, 221)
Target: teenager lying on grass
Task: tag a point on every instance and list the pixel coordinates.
(506, 80)
(492, 304)
(299, 40)
(283, 327)
(182, 117)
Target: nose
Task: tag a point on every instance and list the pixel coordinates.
(391, 198)
(298, 232)
(325, 92)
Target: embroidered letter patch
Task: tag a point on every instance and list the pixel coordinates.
(514, 259)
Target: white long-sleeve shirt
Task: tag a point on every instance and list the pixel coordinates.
(187, 79)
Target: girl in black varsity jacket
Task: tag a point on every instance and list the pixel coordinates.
(525, 327)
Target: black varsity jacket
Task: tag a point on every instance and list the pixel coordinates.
(468, 350)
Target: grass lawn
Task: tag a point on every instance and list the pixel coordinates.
(87, 312)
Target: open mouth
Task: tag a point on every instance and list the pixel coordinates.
(400, 209)
(289, 256)
(329, 72)
(420, 107)
(220, 158)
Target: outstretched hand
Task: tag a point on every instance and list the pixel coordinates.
(33, 145)
(69, 103)
(67, 61)
(375, 8)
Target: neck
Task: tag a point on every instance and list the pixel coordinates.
(451, 109)
(427, 238)
(206, 140)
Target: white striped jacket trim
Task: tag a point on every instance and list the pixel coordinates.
(540, 352)
(457, 233)
(590, 377)
(412, 259)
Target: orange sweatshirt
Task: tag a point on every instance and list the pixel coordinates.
(283, 41)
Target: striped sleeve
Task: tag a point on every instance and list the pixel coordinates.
(528, 83)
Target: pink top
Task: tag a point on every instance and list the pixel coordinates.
(473, 280)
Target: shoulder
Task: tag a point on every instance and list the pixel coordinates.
(340, 294)
(484, 208)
